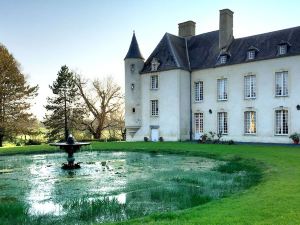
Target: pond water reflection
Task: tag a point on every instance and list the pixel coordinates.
(111, 186)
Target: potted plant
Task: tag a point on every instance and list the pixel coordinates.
(295, 137)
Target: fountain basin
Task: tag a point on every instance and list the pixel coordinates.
(70, 147)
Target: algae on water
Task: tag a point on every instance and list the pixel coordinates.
(110, 186)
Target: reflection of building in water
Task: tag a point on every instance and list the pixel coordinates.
(245, 88)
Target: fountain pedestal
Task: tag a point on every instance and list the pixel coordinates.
(70, 147)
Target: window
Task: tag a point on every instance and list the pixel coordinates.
(154, 107)
(223, 59)
(282, 49)
(154, 82)
(132, 68)
(133, 110)
(251, 54)
(198, 91)
(222, 89)
(250, 86)
(198, 123)
(222, 123)
(281, 122)
(281, 83)
(154, 64)
(250, 122)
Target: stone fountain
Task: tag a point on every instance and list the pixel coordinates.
(70, 147)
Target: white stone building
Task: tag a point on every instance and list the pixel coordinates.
(248, 88)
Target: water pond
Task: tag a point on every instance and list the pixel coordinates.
(110, 186)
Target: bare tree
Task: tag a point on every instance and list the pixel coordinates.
(117, 122)
(102, 100)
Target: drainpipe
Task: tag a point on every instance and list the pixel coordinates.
(190, 71)
(191, 112)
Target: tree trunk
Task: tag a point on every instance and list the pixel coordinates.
(97, 135)
(1, 140)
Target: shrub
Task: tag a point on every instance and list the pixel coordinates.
(231, 142)
(146, 139)
(295, 137)
(113, 139)
(203, 138)
(219, 135)
(161, 139)
(212, 135)
(32, 142)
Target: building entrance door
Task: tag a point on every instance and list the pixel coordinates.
(154, 134)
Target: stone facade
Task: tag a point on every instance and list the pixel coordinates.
(175, 94)
(264, 104)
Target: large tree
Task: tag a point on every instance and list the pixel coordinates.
(103, 100)
(15, 96)
(117, 123)
(65, 110)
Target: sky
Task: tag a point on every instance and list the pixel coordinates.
(92, 37)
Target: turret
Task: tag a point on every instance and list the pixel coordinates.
(134, 63)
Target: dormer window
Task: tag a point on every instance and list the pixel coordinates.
(252, 52)
(282, 49)
(223, 59)
(154, 64)
(251, 55)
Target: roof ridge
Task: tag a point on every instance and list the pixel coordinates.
(172, 49)
(270, 32)
(191, 36)
(187, 54)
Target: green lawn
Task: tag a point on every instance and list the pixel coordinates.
(276, 200)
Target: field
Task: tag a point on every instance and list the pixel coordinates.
(275, 200)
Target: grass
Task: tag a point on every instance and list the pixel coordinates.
(275, 200)
(28, 149)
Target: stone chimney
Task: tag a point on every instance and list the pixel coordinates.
(225, 28)
(186, 29)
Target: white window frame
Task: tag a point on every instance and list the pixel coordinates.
(198, 122)
(154, 107)
(282, 49)
(222, 93)
(251, 54)
(250, 122)
(250, 86)
(223, 59)
(222, 123)
(154, 82)
(281, 122)
(198, 90)
(154, 64)
(281, 84)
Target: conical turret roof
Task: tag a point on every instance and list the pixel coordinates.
(134, 50)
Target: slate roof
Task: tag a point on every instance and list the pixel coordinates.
(171, 54)
(202, 51)
(134, 50)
